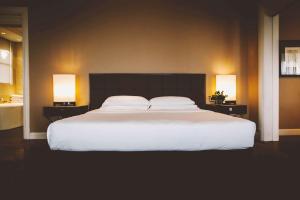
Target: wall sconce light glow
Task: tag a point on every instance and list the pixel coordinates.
(64, 88)
(4, 54)
(3, 33)
(227, 83)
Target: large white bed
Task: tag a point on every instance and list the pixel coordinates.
(157, 130)
(165, 116)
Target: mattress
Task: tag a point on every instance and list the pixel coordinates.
(151, 131)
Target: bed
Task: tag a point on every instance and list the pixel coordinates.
(157, 130)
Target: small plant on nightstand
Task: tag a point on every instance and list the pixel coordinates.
(218, 97)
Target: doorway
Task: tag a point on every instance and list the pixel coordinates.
(15, 49)
(290, 71)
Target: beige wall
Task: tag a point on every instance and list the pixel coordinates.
(252, 68)
(289, 87)
(5, 89)
(18, 67)
(152, 36)
(17, 87)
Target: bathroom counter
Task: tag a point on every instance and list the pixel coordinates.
(11, 115)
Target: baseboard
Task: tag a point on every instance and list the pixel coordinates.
(284, 132)
(38, 135)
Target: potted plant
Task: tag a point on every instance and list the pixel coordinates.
(218, 97)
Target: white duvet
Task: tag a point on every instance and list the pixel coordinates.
(151, 131)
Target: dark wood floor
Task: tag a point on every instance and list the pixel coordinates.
(30, 169)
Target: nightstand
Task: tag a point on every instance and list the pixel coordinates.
(53, 113)
(227, 109)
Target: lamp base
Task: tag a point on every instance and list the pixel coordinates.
(64, 103)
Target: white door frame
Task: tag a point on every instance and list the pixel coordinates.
(23, 12)
(268, 77)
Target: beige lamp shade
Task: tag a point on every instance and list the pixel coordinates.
(64, 88)
(227, 83)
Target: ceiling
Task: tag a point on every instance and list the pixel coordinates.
(10, 19)
(10, 27)
(274, 7)
(13, 34)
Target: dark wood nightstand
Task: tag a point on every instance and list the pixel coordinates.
(53, 113)
(227, 109)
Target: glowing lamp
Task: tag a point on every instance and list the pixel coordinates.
(227, 83)
(64, 87)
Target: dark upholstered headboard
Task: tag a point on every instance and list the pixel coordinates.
(147, 85)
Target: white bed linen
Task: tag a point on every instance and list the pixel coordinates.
(125, 101)
(171, 100)
(125, 108)
(151, 131)
(173, 108)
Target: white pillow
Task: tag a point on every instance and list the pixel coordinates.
(125, 101)
(125, 108)
(173, 108)
(171, 100)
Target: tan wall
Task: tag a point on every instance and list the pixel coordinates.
(5, 89)
(252, 68)
(134, 36)
(17, 87)
(290, 87)
(18, 67)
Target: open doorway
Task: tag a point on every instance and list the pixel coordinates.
(14, 83)
(11, 75)
(290, 71)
